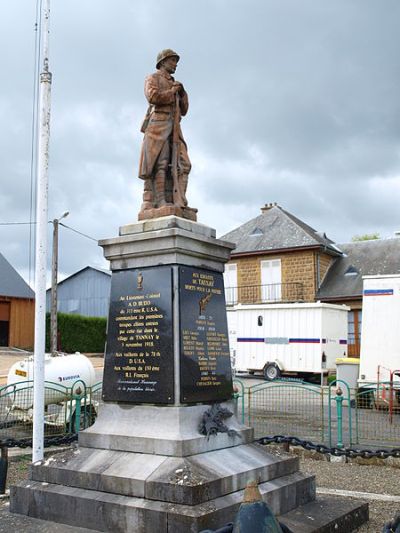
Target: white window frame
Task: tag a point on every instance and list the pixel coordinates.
(271, 288)
(230, 282)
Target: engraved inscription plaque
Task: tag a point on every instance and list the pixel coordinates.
(205, 360)
(139, 361)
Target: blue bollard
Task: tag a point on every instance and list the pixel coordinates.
(225, 529)
(254, 514)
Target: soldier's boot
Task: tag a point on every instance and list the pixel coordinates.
(147, 195)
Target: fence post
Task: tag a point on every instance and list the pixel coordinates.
(249, 407)
(339, 407)
(77, 413)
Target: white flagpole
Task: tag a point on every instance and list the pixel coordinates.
(41, 241)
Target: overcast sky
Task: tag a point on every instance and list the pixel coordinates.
(291, 101)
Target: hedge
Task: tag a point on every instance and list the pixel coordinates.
(79, 333)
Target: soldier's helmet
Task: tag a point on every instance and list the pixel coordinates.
(164, 54)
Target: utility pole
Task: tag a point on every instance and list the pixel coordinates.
(54, 272)
(41, 241)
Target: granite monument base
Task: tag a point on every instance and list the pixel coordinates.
(145, 466)
(119, 491)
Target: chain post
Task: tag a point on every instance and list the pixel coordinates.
(339, 408)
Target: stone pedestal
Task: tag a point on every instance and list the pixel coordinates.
(144, 466)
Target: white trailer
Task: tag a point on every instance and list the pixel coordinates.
(380, 333)
(288, 338)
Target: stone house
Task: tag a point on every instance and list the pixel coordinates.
(280, 259)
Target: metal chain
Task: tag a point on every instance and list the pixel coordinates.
(277, 439)
(322, 448)
(48, 441)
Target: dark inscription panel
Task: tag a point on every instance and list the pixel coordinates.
(139, 362)
(205, 361)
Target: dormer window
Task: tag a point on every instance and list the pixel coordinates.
(257, 232)
(351, 271)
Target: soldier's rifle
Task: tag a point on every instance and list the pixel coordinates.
(178, 197)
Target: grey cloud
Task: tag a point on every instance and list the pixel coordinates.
(293, 101)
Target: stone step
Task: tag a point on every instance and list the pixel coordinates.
(186, 480)
(107, 512)
(327, 514)
(10, 522)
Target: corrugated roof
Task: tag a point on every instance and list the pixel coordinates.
(101, 270)
(363, 258)
(276, 229)
(11, 283)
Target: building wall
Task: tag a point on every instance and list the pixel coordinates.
(296, 267)
(248, 271)
(87, 293)
(300, 267)
(21, 321)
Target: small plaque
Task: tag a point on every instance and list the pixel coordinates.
(206, 374)
(139, 361)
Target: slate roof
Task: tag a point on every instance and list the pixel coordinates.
(11, 283)
(276, 229)
(363, 258)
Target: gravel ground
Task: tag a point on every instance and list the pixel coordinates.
(342, 476)
(360, 478)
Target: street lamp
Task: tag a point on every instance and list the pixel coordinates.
(54, 272)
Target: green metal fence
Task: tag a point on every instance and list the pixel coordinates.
(335, 415)
(286, 409)
(67, 409)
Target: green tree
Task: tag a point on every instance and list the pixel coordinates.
(366, 237)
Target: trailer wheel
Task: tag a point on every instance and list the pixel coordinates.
(271, 372)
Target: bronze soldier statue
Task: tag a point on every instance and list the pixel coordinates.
(164, 161)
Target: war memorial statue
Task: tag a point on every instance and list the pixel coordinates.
(166, 454)
(164, 161)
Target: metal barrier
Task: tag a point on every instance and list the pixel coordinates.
(339, 398)
(271, 293)
(67, 409)
(335, 415)
(377, 412)
(285, 408)
(238, 397)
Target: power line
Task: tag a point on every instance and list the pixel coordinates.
(79, 232)
(15, 223)
(49, 222)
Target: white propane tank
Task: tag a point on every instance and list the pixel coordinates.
(62, 371)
